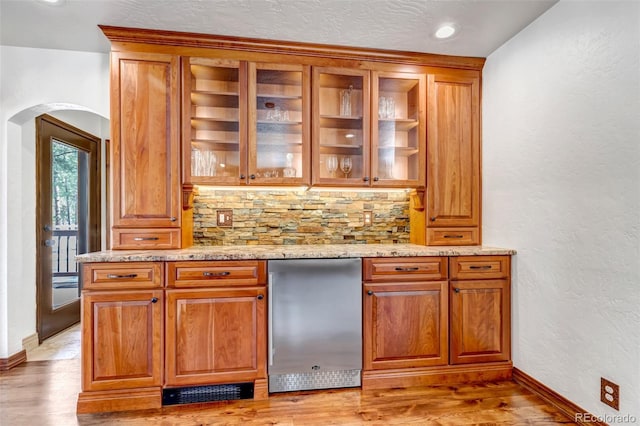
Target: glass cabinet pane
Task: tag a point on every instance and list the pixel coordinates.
(279, 126)
(214, 114)
(341, 126)
(399, 129)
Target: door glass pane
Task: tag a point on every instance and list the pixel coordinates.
(215, 129)
(341, 134)
(398, 129)
(279, 123)
(69, 211)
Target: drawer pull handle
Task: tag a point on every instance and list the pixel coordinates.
(146, 238)
(260, 297)
(216, 274)
(480, 267)
(154, 300)
(116, 276)
(405, 269)
(453, 236)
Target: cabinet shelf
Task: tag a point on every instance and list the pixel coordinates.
(200, 123)
(399, 151)
(339, 122)
(397, 124)
(216, 145)
(210, 98)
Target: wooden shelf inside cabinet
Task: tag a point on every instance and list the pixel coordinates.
(340, 122)
(202, 123)
(215, 145)
(400, 151)
(218, 99)
(397, 124)
(341, 149)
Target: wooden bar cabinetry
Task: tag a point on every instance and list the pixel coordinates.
(145, 151)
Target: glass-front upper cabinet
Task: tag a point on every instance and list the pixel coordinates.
(279, 129)
(398, 129)
(214, 121)
(341, 111)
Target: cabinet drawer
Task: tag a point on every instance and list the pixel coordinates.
(479, 267)
(149, 239)
(453, 236)
(216, 273)
(127, 275)
(404, 268)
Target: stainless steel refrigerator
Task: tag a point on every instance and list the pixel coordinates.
(315, 324)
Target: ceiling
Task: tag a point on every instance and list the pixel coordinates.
(407, 25)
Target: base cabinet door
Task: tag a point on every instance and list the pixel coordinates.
(215, 336)
(480, 321)
(122, 339)
(405, 325)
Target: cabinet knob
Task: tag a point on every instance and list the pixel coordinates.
(260, 297)
(370, 292)
(366, 178)
(432, 219)
(154, 300)
(242, 176)
(173, 219)
(375, 179)
(252, 177)
(457, 290)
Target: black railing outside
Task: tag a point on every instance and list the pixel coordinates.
(65, 249)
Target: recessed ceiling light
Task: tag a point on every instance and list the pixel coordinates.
(445, 31)
(56, 2)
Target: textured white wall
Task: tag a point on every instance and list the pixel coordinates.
(561, 164)
(32, 82)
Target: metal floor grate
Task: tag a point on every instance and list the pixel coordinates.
(194, 394)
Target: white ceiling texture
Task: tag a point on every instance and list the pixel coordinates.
(408, 25)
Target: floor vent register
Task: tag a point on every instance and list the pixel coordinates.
(194, 394)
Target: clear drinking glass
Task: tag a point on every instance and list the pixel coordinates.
(345, 102)
(346, 165)
(332, 164)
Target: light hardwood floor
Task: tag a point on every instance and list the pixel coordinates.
(45, 393)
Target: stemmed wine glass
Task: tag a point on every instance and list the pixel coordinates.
(332, 164)
(346, 165)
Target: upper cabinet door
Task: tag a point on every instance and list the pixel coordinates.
(145, 112)
(398, 129)
(341, 111)
(214, 121)
(279, 124)
(453, 149)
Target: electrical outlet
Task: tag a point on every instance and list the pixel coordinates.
(609, 393)
(224, 218)
(367, 218)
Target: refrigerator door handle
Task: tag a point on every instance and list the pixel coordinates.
(270, 318)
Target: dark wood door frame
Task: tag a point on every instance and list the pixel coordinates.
(49, 320)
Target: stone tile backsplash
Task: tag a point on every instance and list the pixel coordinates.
(291, 216)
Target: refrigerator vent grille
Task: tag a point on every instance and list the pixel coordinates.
(314, 380)
(190, 395)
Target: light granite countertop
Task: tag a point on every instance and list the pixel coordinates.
(319, 251)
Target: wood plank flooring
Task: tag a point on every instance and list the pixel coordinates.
(45, 393)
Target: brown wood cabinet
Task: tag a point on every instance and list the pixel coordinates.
(216, 324)
(122, 337)
(405, 313)
(145, 150)
(480, 301)
(436, 320)
(453, 158)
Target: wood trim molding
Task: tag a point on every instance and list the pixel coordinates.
(567, 407)
(13, 361)
(209, 41)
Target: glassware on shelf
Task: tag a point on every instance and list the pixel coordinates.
(345, 102)
(289, 171)
(345, 165)
(332, 164)
(203, 163)
(386, 107)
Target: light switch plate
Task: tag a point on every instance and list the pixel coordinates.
(224, 218)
